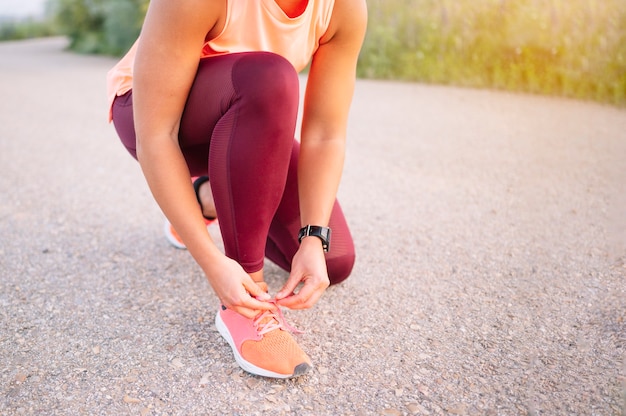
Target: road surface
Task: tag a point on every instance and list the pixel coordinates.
(490, 233)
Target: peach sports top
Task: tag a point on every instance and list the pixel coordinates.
(251, 25)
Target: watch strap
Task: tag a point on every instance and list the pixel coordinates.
(323, 233)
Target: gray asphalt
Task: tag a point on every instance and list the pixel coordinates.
(491, 238)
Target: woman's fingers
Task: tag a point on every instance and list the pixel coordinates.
(255, 291)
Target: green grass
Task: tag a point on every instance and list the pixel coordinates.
(572, 48)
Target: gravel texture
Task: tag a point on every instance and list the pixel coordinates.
(491, 238)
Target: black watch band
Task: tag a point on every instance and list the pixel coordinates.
(323, 233)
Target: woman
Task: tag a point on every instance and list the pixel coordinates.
(210, 89)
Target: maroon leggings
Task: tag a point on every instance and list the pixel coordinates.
(238, 128)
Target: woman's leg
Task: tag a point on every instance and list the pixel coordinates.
(250, 151)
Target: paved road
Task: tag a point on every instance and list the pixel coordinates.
(491, 237)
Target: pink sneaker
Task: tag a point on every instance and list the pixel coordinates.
(263, 345)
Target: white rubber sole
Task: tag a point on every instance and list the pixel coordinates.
(213, 230)
(170, 237)
(247, 366)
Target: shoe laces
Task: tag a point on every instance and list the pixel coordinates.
(268, 321)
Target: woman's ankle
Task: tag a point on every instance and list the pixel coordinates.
(258, 277)
(206, 200)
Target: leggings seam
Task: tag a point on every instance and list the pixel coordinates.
(228, 164)
(237, 98)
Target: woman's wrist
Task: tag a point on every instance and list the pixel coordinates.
(208, 256)
(311, 242)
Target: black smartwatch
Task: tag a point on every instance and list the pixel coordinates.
(323, 233)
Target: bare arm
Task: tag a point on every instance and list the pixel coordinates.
(166, 63)
(328, 97)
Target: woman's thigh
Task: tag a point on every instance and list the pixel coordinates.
(212, 94)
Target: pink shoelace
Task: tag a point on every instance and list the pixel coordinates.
(276, 321)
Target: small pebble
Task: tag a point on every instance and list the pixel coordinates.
(131, 400)
(20, 377)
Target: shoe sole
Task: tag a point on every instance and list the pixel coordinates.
(170, 238)
(299, 370)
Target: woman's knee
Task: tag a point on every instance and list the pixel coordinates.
(268, 81)
(339, 268)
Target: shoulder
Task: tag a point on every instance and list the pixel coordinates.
(171, 17)
(349, 19)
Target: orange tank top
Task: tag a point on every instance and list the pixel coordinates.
(251, 25)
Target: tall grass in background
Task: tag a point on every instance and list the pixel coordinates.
(573, 48)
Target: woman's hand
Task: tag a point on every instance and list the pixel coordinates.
(236, 289)
(308, 267)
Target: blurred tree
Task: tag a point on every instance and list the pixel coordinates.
(99, 26)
